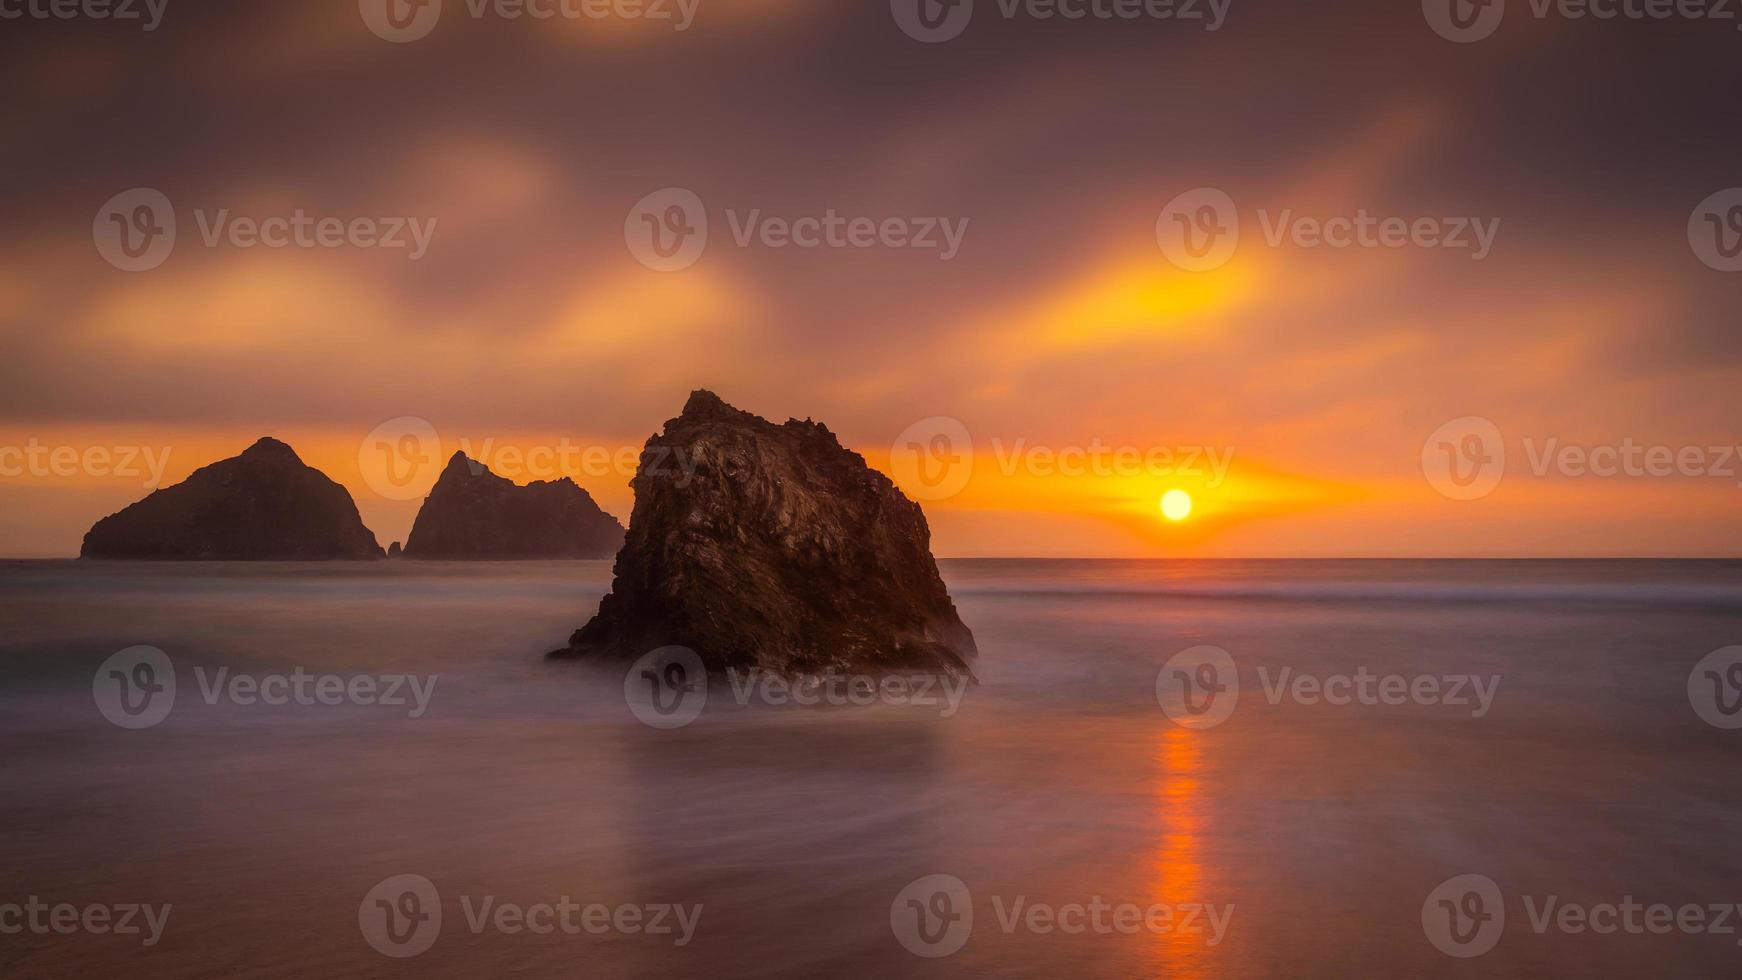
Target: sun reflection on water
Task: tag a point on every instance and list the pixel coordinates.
(1176, 868)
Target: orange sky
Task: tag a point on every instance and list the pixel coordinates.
(1060, 326)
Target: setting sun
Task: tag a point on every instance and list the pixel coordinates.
(1176, 505)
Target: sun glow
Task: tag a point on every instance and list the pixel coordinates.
(1176, 505)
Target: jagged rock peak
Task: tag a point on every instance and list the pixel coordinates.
(471, 513)
(704, 404)
(267, 447)
(773, 547)
(262, 505)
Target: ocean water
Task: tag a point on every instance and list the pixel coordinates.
(1091, 834)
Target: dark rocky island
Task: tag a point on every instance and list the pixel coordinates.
(264, 505)
(393, 550)
(773, 547)
(471, 513)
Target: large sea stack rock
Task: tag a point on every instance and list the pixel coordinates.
(264, 505)
(471, 513)
(773, 547)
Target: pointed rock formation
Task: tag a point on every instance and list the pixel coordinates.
(264, 505)
(393, 550)
(771, 546)
(471, 513)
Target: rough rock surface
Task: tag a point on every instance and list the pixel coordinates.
(773, 547)
(471, 513)
(264, 505)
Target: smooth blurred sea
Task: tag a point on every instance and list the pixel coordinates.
(1060, 780)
